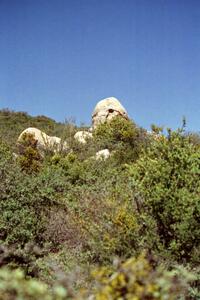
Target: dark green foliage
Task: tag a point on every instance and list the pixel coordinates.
(25, 200)
(123, 137)
(72, 167)
(167, 180)
(21, 217)
(116, 131)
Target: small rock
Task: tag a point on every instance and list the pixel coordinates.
(102, 154)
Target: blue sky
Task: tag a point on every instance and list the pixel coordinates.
(59, 57)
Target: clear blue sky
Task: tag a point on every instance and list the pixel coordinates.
(59, 57)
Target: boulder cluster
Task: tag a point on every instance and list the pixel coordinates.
(104, 111)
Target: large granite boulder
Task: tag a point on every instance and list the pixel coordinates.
(42, 140)
(106, 109)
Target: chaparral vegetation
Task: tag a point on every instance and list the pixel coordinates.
(76, 227)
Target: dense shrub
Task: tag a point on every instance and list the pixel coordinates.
(29, 157)
(72, 167)
(122, 136)
(25, 200)
(113, 232)
(69, 211)
(166, 178)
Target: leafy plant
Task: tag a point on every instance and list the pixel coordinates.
(123, 137)
(29, 157)
(166, 177)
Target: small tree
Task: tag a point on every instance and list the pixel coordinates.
(30, 158)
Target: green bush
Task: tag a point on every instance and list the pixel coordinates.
(69, 211)
(30, 160)
(122, 136)
(26, 199)
(166, 178)
(115, 232)
(72, 167)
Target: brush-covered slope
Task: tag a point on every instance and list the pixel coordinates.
(66, 217)
(13, 123)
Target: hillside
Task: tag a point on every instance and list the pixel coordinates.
(13, 123)
(76, 227)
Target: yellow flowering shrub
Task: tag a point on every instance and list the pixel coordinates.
(138, 279)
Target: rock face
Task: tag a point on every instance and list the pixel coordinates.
(43, 140)
(82, 136)
(106, 109)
